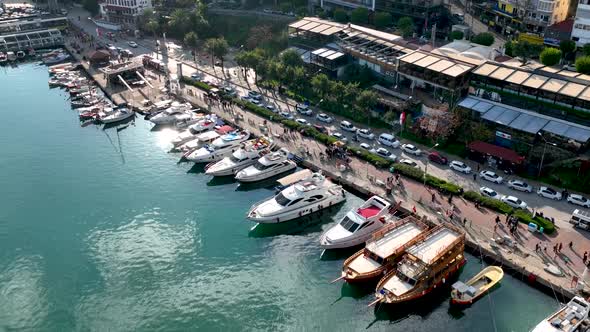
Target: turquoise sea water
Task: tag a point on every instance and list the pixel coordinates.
(103, 230)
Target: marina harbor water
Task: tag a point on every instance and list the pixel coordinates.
(102, 229)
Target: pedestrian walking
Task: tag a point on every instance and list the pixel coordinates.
(478, 167)
(474, 176)
(433, 197)
(537, 247)
(497, 220)
(560, 247)
(464, 221)
(585, 258)
(450, 198)
(571, 245)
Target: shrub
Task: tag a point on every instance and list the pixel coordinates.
(197, 84)
(550, 56)
(490, 203)
(484, 38)
(583, 64)
(527, 218)
(457, 35)
(340, 15)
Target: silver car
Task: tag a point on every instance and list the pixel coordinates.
(520, 185)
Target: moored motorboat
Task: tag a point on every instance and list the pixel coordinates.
(424, 267)
(384, 249)
(297, 200)
(86, 102)
(567, 319)
(172, 114)
(358, 225)
(202, 139)
(219, 148)
(60, 57)
(119, 114)
(464, 293)
(269, 165)
(245, 156)
(206, 124)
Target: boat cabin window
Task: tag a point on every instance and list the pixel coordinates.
(366, 224)
(295, 201)
(259, 166)
(234, 159)
(282, 200)
(349, 225)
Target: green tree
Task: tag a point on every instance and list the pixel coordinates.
(583, 64)
(153, 27)
(406, 26)
(457, 35)
(360, 15)
(484, 38)
(382, 20)
(586, 49)
(567, 47)
(179, 23)
(321, 85)
(290, 58)
(146, 16)
(509, 48)
(191, 40)
(217, 48)
(550, 56)
(365, 102)
(299, 78)
(524, 50)
(91, 6)
(340, 15)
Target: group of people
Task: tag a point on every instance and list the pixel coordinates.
(390, 182)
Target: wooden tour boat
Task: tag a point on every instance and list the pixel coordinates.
(384, 248)
(468, 292)
(426, 265)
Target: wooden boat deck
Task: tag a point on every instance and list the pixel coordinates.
(388, 244)
(363, 264)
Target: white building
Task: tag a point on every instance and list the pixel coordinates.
(124, 12)
(581, 30)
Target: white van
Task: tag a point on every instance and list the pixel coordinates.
(345, 125)
(580, 219)
(388, 140)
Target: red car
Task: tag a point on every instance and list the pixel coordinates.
(438, 158)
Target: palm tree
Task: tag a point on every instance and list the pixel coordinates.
(217, 48)
(153, 26)
(192, 41)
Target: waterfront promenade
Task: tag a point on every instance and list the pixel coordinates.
(480, 222)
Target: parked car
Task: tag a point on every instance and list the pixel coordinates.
(345, 125)
(515, 202)
(302, 121)
(520, 185)
(549, 193)
(287, 115)
(132, 44)
(228, 90)
(324, 118)
(272, 108)
(388, 140)
(245, 98)
(460, 166)
(321, 129)
(303, 109)
(254, 95)
(197, 76)
(339, 136)
(411, 149)
(489, 192)
(383, 152)
(437, 158)
(365, 133)
(365, 146)
(491, 176)
(408, 162)
(578, 200)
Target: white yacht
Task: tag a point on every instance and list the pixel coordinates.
(247, 155)
(202, 139)
(119, 114)
(358, 225)
(193, 131)
(172, 114)
(268, 166)
(219, 148)
(299, 199)
(567, 318)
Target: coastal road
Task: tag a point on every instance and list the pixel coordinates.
(560, 210)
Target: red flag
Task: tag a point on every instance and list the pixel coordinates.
(402, 118)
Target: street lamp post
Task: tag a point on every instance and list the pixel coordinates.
(543, 155)
(427, 161)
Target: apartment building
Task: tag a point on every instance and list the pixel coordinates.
(530, 15)
(124, 12)
(581, 29)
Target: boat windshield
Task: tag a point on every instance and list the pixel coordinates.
(235, 159)
(282, 200)
(349, 225)
(260, 166)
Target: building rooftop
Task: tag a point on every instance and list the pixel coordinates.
(438, 63)
(317, 25)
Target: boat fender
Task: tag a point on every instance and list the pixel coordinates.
(532, 277)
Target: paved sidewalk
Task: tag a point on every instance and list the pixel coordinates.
(480, 222)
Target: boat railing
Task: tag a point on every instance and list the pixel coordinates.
(458, 240)
(351, 258)
(387, 228)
